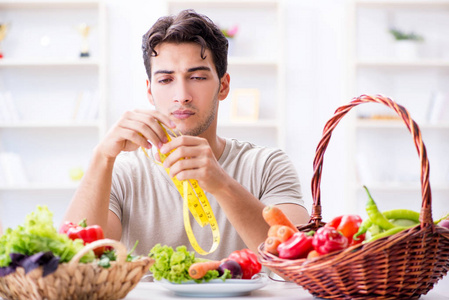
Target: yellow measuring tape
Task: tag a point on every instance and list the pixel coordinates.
(196, 201)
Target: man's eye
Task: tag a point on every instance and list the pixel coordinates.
(199, 78)
(164, 80)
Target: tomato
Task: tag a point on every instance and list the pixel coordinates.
(348, 225)
(247, 261)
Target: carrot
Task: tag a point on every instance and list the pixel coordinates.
(275, 216)
(199, 269)
(273, 231)
(313, 254)
(271, 244)
(284, 233)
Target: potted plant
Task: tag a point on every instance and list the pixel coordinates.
(406, 43)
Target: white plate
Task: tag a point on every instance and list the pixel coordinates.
(216, 287)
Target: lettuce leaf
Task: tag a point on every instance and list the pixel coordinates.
(38, 234)
(174, 265)
(171, 265)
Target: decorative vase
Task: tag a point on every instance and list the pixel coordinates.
(406, 49)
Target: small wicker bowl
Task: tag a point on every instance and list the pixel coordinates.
(74, 280)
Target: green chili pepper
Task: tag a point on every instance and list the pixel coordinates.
(401, 214)
(382, 219)
(441, 219)
(375, 215)
(363, 228)
(386, 233)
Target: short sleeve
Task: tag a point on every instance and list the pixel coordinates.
(280, 181)
(118, 188)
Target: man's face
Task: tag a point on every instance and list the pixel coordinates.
(186, 87)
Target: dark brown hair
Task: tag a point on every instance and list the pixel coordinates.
(187, 27)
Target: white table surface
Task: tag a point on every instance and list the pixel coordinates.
(274, 290)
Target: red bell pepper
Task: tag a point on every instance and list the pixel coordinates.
(297, 246)
(348, 225)
(328, 239)
(88, 234)
(247, 261)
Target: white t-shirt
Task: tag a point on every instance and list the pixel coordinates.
(149, 206)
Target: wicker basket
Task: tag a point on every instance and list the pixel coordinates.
(402, 266)
(74, 280)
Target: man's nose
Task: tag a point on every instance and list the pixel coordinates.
(182, 93)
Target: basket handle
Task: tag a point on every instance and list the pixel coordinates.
(119, 247)
(426, 206)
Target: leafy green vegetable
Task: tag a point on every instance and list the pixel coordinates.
(110, 255)
(171, 265)
(174, 265)
(38, 234)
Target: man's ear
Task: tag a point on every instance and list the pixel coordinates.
(149, 95)
(224, 86)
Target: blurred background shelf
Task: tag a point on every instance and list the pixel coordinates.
(49, 62)
(40, 187)
(417, 63)
(381, 153)
(52, 101)
(46, 125)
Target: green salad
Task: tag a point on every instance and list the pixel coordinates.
(174, 265)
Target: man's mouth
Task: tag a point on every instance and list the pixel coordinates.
(182, 114)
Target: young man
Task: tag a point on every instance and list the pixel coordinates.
(133, 198)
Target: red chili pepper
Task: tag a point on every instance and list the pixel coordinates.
(328, 239)
(348, 225)
(247, 261)
(298, 246)
(88, 234)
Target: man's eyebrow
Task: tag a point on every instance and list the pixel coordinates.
(163, 72)
(200, 68)
(190, 70)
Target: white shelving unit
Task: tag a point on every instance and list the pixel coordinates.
(381, 152)
(58, 98)
(255, 61)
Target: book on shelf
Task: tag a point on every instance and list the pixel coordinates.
(8, 110)
(438, 110)
(12, 169)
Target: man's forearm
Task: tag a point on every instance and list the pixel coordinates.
(91, 199)
(244, 211)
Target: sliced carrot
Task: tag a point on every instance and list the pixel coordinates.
(273, 215)
(271, 244)
(284, 233)
(199, 269)
(273, 231)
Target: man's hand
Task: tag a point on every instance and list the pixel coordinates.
(193, 158)
(137, 128)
